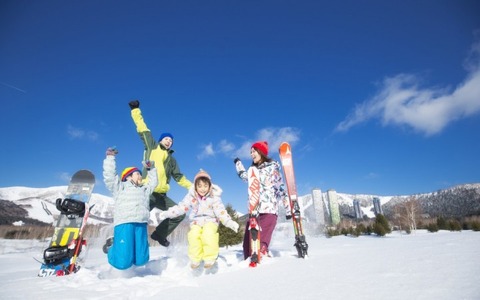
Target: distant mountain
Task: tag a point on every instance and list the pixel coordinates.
(455, 202)
(36, 206)
(24, 204)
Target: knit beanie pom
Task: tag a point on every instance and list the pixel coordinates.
(202, 174)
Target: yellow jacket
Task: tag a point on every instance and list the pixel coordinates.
(165, 163)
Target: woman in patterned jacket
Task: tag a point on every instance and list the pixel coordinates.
(270, 191)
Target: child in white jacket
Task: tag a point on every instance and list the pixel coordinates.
(204, 202)
(132, 212)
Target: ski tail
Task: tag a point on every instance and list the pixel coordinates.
(254, 230)
(300, 240)
(301, 246)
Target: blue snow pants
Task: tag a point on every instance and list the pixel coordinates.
(130, 246)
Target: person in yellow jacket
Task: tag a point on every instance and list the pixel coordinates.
(206, 211)
(167, 167)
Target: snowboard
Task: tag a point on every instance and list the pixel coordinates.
(285, 153)
(253, 202)
(60, 258)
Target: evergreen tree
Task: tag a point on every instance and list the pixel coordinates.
(442, 223)
(475, 225)
(379, 229)
(361, 229)
(432, 227)
(454, 225)
(381, 226)
(226, 236)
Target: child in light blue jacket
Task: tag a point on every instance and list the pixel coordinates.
(132, 212)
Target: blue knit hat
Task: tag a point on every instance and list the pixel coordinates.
(164, 135)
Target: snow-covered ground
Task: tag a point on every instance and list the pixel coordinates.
(442, 265)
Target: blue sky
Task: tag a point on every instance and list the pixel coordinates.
(376, 97)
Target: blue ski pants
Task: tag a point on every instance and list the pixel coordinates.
(130, 246)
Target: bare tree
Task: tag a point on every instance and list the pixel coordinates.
(407, 213)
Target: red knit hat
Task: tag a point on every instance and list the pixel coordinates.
(261, 146)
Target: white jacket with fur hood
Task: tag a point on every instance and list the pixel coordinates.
(202, 209)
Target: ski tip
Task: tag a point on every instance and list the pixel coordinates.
(283, 147)
(252, 264)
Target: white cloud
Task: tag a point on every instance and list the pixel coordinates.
(78, 133)
(274, 137)
(371, 175)
(207, 151)
(402, 102)
(65, 177)
(225, 146)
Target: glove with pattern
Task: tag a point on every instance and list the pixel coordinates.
(239, 166)
(112, 151)
(148, 164)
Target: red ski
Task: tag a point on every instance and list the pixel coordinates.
(285, 153)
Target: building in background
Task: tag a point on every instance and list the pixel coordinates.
(319, 205)
(307, 208)
(333, 206)
(377, 206)
(356, 209)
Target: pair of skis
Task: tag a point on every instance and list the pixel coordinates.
(285, 153)
(301, 245)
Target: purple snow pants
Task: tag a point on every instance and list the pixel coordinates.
(267, 223)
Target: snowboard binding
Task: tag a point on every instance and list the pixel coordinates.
(70, 207)
(56, 254)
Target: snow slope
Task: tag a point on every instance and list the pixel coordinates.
(442, 265)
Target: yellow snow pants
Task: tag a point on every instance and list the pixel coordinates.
(203, 243)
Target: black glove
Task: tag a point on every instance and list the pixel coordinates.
(288, 217)
(235, 160)
(134, 104)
